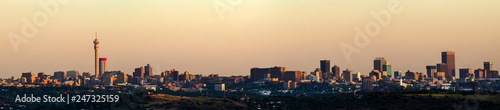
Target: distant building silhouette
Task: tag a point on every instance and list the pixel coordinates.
(480, 73)
(397, 74)
(464, 72)
(442, 67)
(72, 73)
(121, 77)
(325, 68)
(336, 71)
(431, 71)
(102, 66)
(488, 66)
(30, 77)
(378, 64)
(139, 73)
(60, 76)
(367, 84)
(148, 71)
(448, 58)
(411, 75)
(347, 75)
(293, 76)
(387, 70)
(261, 73)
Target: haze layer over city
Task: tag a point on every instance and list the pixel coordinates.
(195, 36)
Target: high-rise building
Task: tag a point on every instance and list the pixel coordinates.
(397, 74)
(442, 67)
(72, 73)
(293, 76)
(261, 73)
(96, 49)
(411, 75)
(347, 75)
(431, 71)
(479, 73)
(367, 84)
(139, 73)
(41, 74)
(318, 73)
(121, 77)
(325, 66)
(30, 77)
(148, 71)
(464, 72)
(356, 77)
(387, 70)
(60, 76)
(174, 75)
(336, 71)
(448, 58)
(102, 66)
(184, 76)
(493, 74)
(378, 64)
(488, 66)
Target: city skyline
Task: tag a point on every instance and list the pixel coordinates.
(162, 37)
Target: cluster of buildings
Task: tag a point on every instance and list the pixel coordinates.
(142, 76)
(382, 76)
(438, 76)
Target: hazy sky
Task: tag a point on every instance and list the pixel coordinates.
(189, 35)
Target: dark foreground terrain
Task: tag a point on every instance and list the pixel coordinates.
(381, 100)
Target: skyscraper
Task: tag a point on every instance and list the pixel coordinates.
(488, 66)
(60, 76)
(121, 77)
(479, 73)
(325, 66)
(464, 72)
(442, 67)
(448, 57)
(261, 73)
(139, 73)
(336, 71)
(30, 77)
(96, 48)
(431, 71)
(397, 74)
(102, 66)
(293, 76)
(367, 84)
(387, 70)
(378, 63)
(72, 73)
(347, 74)
(148, 71)
(411, 75)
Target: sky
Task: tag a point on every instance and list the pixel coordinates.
(230, 37)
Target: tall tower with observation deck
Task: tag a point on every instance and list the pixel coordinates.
(96, 48)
